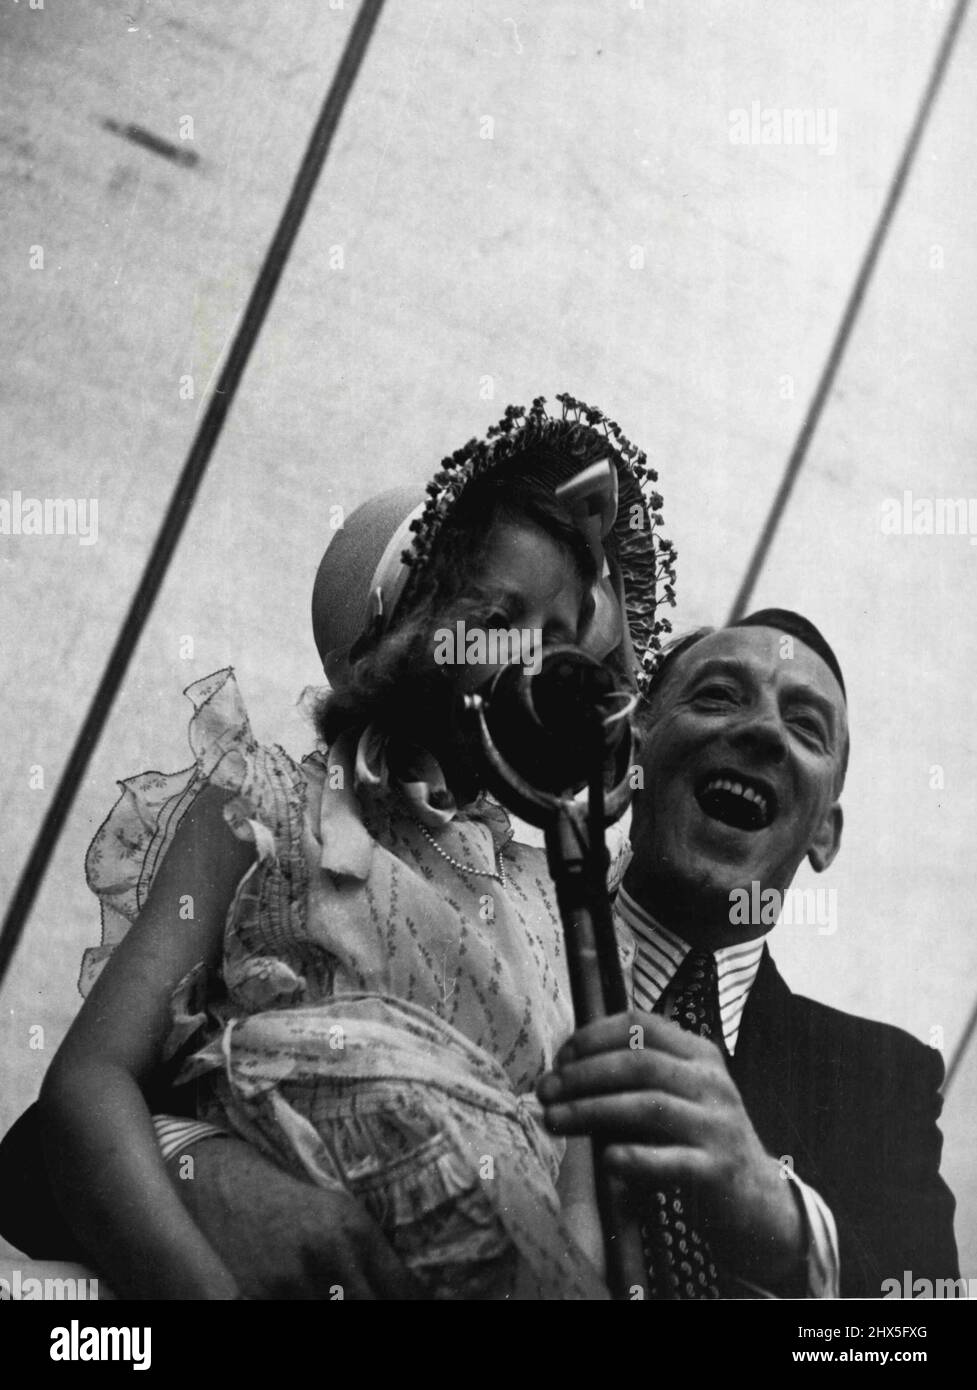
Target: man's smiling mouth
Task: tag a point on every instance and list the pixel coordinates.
(745, 803)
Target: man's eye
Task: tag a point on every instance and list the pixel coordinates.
(722, 694)
(810, 725)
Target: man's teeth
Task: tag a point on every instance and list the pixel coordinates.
(724, 784)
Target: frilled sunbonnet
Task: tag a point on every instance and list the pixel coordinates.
(373, 560)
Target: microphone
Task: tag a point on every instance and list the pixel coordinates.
(544, 732)
(544, 738)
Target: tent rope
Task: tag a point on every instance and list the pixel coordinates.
(854, 303)
(191, 477)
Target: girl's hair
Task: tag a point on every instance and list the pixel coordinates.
(395, 681)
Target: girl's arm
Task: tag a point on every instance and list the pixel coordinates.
(99, 1141)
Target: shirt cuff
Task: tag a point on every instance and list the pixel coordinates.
(823, 1266)
(823, 1262)
(175, 1134)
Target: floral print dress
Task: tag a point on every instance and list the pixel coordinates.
(382, 1015)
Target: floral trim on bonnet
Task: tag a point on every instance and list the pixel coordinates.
(647, 558)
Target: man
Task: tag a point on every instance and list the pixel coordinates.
(801, 1138)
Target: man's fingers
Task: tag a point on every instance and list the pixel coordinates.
(622, 1070)
(633, 1030)
(628, 1116)
(654, 1166)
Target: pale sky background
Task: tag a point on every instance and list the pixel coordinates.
(609, 239)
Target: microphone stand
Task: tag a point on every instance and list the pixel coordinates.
(578, 861)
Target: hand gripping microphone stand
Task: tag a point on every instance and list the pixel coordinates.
(544, 738)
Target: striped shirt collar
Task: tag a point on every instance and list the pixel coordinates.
(652, 955)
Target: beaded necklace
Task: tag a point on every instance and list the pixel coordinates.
(498, 874)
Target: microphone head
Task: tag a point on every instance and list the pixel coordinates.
(550, 725)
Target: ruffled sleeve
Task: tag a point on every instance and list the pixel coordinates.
(265, 806)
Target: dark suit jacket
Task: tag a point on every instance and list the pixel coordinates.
(855, 1105)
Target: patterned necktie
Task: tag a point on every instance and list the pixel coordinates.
(679, 1261)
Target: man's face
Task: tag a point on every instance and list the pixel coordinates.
(741, 770)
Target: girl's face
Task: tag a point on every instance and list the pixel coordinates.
(527, 584)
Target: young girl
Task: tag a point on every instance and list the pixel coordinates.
(355, 959)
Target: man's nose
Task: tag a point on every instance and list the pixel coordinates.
(761, 730)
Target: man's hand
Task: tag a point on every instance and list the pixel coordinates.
(669, 1111)
(286, 1239)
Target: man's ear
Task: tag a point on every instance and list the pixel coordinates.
(827, 840)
